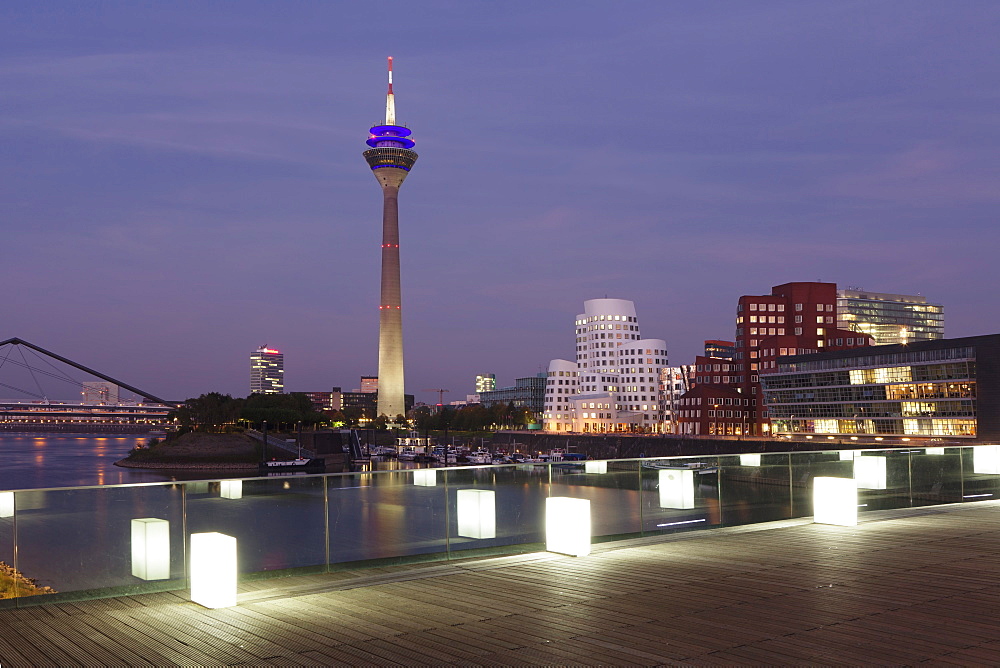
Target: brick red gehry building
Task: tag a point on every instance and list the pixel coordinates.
(795, 319)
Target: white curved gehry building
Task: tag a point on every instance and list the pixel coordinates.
(614, 384)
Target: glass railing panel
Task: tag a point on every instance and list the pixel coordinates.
(612, 488)
(387, 515)
(936, 476)
(755, 488)
(805, 466)
(490, 508)
(883, 478)
(278, 522)
(81, 539)
(981, 472)
(679, 494)
(8, 584)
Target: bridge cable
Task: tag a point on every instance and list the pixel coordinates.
(32, 372)
(9, 351)
(65, 375)
(71, 381)
(18, 389)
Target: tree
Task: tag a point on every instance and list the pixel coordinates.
(209, 412)
(281, 408)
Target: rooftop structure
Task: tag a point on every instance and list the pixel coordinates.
(889, 318)
(390, 158)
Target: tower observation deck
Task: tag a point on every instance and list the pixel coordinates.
(390, 157)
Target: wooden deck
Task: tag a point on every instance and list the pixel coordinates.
(904, 587)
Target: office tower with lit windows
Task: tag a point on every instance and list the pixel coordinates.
(486, 382)
(390, 158)
(267, 371)
(889, 318)
(614, 384)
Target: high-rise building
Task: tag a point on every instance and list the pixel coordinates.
(369, 384)
(614, 385)
(486, 382)
(267, 371)
(390, 158)
(889, 318)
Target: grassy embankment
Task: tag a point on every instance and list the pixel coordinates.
(199, 448)
(12, 584)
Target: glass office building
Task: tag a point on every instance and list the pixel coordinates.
(934, 389)
(889, 318)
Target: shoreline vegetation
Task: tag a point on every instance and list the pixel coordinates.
(14, 584)
(196, 450)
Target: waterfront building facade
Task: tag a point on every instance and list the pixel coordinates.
(267, 371)
(616, 386)
(889, 318)
(391, 159)
(673, 385)
(947, 388)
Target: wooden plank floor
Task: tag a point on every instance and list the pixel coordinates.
(903, 588)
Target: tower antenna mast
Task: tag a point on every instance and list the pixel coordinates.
(390, 100)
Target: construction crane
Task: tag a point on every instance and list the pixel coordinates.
(440, 392)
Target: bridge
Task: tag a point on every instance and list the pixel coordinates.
(101, 411)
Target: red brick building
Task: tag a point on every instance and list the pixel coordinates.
(795, 319)
(714, 410)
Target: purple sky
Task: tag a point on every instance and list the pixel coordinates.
(182, 182)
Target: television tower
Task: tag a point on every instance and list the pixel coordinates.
(391, 159)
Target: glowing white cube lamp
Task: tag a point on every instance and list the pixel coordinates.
(213, 570)
(595, 467)
(869, 471)
(567, 525)
(835, 501)
(847, 455)
(232, 489)
(986, 459)
(151, 548)
(477, 516)
(6, 504)
(424, 477)
(934, 451)
(749, 460)
(676, 488)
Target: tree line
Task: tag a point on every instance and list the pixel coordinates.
(219, 412)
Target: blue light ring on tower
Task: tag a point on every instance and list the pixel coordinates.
(396, 130)
(403, 142)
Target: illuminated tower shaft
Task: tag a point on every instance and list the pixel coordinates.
(390, 158)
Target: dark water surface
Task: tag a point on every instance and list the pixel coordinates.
(33, 461)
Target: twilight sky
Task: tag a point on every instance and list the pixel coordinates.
(181, 182)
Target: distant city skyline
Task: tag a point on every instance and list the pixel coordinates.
(182, 181)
